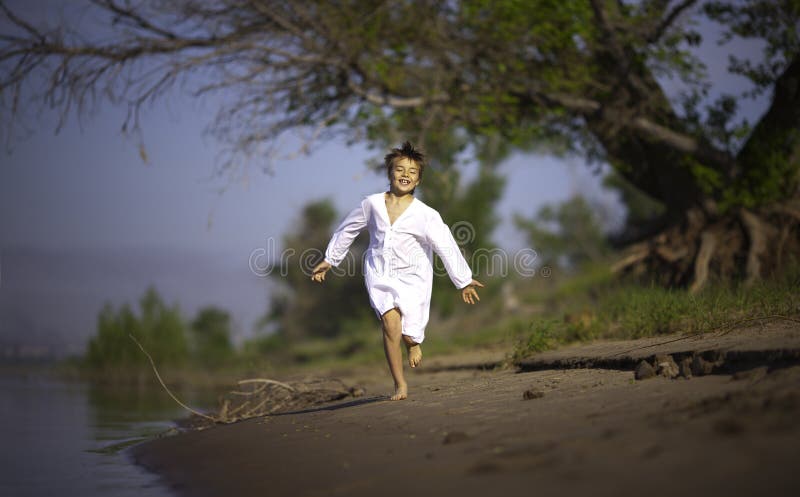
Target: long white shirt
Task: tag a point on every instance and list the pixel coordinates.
(398, 265)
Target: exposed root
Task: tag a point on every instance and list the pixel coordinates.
(756, 232)
(671, 255)
(639, 253)
(788, 210)
(785, 230)
(708, 242)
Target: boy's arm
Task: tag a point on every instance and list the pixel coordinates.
(445, 245)
(340, 242)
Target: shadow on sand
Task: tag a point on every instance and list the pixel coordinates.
(334, 407)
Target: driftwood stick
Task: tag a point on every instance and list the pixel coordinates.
(233, 412)
(257, 391)
(153, 364)
(267, 380)
(257, 408)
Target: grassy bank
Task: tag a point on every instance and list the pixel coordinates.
(595, 305)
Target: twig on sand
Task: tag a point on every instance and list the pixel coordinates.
(239, 405)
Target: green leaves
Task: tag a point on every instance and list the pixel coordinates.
(776, 22)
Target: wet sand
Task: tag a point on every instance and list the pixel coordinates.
(468, 431)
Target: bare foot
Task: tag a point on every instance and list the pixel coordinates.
(400, 392)
(414, 355)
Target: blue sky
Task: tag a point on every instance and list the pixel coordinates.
(84, 220)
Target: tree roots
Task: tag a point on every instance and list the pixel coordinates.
(747, 245)
(708, 242)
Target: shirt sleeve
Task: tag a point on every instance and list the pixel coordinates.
(443, 243)
(344, 235)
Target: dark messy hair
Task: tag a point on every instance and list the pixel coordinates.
(405, 151)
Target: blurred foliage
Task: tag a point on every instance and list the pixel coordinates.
(211, 337)
(163, 333)
(773, 22)
(567, 234)
(159, 328)
(471, 215)
(300, 308)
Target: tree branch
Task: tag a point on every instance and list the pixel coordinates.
(654, 131)
(602, 22)
(394, 101)
(18, 21)
(137, 19)
(668, 20)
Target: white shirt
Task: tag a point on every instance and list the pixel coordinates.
(398, 264)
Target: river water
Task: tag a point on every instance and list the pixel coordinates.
(67, 438)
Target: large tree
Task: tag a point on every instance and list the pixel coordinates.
(578, 77)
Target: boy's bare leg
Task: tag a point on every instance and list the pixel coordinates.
(414, 351)
(392, 333)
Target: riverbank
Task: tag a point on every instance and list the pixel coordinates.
(576, 421)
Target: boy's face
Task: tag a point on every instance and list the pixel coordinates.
(404, 176)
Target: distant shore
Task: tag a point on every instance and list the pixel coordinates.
(568, 426)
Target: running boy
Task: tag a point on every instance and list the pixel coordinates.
(398, 265)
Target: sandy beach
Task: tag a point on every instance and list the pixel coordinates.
(569, 421)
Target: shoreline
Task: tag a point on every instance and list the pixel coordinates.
(551, 430)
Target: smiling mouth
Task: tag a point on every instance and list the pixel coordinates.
(405, 182)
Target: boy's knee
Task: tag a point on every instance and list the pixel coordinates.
(391, 321)
(392, 316)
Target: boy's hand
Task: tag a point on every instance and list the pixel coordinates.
(318, 274)
(469, 294)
